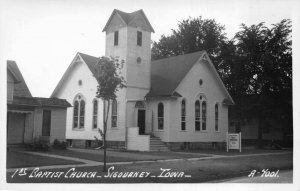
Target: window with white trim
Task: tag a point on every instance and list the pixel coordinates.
(160, 116)
(216, 117)
(139, 38)
(95, 113)
(183, 115)
(200, 114)
(116, 38)
(114, 114)
(197, 115)
(78, 112)
(203, 127)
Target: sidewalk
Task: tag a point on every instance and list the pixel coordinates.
(88, 163)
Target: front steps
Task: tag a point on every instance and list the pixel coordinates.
(157, 145)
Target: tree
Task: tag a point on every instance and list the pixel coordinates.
(193, 34)
(110, 80)
(263, 58)
(256, 63)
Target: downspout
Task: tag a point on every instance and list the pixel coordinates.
(24, 128)
(33, 124)
(126, 128)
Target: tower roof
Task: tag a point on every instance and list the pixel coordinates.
(128, 18)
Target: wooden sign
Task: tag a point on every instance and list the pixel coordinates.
(234, 141)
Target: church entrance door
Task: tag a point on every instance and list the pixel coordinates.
(141, 121)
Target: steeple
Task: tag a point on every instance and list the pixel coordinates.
(128, 37)
(134, 19)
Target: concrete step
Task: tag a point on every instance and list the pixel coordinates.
(155, 138)
(159, 149)
(157, 145)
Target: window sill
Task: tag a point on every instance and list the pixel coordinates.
(78, 129)
(217, 131)
(183, 130)
(94, 129)
(201, 131)
(160, 130)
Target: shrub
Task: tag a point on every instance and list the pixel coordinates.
(59, 144)
(39, 145)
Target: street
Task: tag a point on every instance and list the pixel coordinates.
(284, 177)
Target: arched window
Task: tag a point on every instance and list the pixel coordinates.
(197, 115)
(200, 113)
(82, 111)
(114, 114)
(216, 117)
(78, 112)
(160, 116)
(203, 116)
(183, 114)
(95, 113)
(75, 114)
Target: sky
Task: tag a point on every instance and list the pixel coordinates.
(43, 36)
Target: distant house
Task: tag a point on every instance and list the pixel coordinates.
(28, 117)
(243, 117)
(273, 129)
(179, 101)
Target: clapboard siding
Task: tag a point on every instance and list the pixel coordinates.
(136, 141)
(58, 124)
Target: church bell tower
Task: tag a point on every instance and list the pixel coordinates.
(128, 38)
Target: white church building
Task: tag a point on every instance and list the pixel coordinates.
(176, 102)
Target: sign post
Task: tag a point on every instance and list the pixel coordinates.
(227, 141)
(240, 141)
(234, 141)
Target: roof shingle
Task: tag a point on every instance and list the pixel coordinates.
(39, 101)
(20, 88)
(91, 61)
(22, 95)
(167, 73)
(128, 17)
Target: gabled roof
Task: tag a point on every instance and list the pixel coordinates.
(90, 61)
(167, 73)
(20, 88)
(11, 70)
(128, 17)
(22, 95)
(25, 101)
(39, 101)
(53, 102)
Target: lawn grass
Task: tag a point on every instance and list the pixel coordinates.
(17, 159)
(201, 171)
(117, 156)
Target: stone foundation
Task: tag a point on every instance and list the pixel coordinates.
(196, 145)
(116, 144)
(79, 143)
